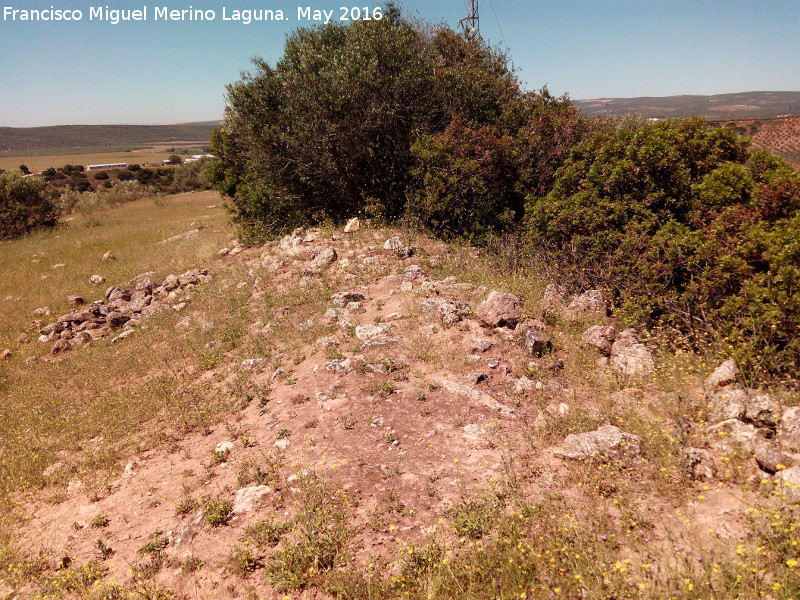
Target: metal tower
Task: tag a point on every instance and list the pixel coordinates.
(471, 23)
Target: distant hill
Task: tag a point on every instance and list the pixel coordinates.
(89, 139)
(743, 105)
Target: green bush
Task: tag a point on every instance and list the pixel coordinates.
(687, 228)
(327, 132)
(24, 205)
(465, 182)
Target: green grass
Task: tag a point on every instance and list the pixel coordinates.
(52, 406)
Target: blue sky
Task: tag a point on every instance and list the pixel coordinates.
(157, 72)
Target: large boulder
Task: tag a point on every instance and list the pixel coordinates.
(789, 480)
(534, 339)
(553, 301)
(250, 498)
(762, 410)
(342, 299)
(601, 337)
(591, 304)
(789, 429)
(324, 257)
(606, 442)
(500, 309)
(447, 310)
(727, 404)
(731, 435)
(724, 374)
(630, 357)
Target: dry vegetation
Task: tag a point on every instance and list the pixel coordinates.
(380, 481)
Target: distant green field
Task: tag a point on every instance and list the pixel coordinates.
(83, 139)
(40, 163)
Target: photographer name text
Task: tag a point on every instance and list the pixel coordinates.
(244, 16)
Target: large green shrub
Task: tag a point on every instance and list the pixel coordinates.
(465, 180)
(327, 132)
(687, 227)
(24, 205)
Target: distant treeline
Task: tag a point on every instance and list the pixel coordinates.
(83, 139)
(687, 227)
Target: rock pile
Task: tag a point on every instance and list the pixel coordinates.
(122, 308)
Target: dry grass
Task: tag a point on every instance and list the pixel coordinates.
(104, 393)
(40, 163)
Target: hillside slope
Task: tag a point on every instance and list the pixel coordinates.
(742, 105)
(391, 430)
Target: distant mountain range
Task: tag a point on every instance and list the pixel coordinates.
(720, 107)
(89, 139)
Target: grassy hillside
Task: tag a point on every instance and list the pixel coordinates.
(250, 441)
(86, 139)
(743, 105)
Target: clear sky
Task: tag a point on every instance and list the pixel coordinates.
(93, 72)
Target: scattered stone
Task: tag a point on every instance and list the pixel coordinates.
(50, 471)
(762, 410)
(122, 336)
(601, 337)
(321, 261)
(607, 442)
(769, 456)
(534, 339)
(250, 498)
(352, 225)
(335, 316)
(117, 319)
(473, 431)
(790, 484)
(723, 375)
(727, 404)
(97, 279)
(253, 364)
(23, 338)
(523, 385)
(5, 353)
(223, 251)
(170, 283)
(500, 309)
(223, 449)
(339, 365)
(477, 396)
(630, 357)
(372, 330)
(591, 304)
(342, 299)
(553, 302)
(43, 311)
(448, 311)
(108, 256)
(476, 378)
(58, 266)
(478, 344)
(698, 463)
(731, 435)
(789, 429)
(61, 345)
(492, 362)
(76, 300)
(282, 444)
